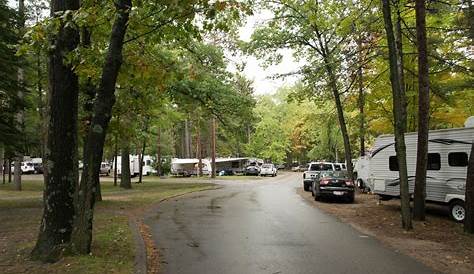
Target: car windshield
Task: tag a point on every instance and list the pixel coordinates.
(320, 167)
(267, 166)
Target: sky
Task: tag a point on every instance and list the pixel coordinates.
(254, 70)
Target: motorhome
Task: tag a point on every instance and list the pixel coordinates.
(448, 153)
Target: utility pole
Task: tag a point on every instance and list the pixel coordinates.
(213, 147)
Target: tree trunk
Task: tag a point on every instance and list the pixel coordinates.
(340, 116)
(125, 177)
(423, 113)
(142, 156)
(61, 154)
(158, 152)
(94, 145)
(9, 170)
(115, 160)
(2, 162)
(213, 147)
(361, 101)
(398, 113)
(198, 149)
(186, 139)
(469, 220)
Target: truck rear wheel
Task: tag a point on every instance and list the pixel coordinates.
(457, 211)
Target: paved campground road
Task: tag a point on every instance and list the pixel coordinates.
(264, 226)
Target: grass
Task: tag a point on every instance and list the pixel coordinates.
(113, 246)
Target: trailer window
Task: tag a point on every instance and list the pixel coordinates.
(434, 161)
(393, 163)
(457, 159)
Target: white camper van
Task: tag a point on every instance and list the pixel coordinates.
(362, 172)
(148, 168)
(448, 153)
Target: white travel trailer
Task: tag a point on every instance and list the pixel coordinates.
(134, 165)
(189, 167)
(362, 172)
(448, 153)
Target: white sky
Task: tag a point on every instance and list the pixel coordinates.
(254, 70)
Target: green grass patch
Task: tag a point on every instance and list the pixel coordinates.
(112, 248)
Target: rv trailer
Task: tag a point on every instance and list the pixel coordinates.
(448, 153)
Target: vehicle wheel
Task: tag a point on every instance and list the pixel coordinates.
(306, 188)
(457, 210)
(317, 197)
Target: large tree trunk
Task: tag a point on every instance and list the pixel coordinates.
(2, 162)
(125, 176)
(399, 107)
(94, 146)
(61, 154)
(423, 113)
(469, 220)
(187, 145)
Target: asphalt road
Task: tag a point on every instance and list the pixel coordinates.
(264, 226)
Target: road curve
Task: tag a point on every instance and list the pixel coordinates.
(263, 226)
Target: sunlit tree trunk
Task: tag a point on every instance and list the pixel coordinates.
(213, 148)
(61, 154)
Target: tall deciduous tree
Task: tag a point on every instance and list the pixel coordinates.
(61, 154)
(93, 148)
(399, 110)
(423, 112)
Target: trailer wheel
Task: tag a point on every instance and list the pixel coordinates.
(457, 210)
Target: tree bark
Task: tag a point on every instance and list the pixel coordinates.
(20, 116)
(2, 162)
(469, 220)
(125, 176)
(213, 147)
(361, 100)
(115, 160)
(186, 139)
(142, 156)
(94, 146)
(61, 154)
(399, 109)
(423, 112)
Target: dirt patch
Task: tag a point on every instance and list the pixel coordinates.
(437, 242)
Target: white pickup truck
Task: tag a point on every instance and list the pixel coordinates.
(314, 168)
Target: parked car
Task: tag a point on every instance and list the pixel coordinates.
(252, 170)
(26, 168)
(105, 168)
(268, 170)
(314, 169)
(226, 172)
(333, 184)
